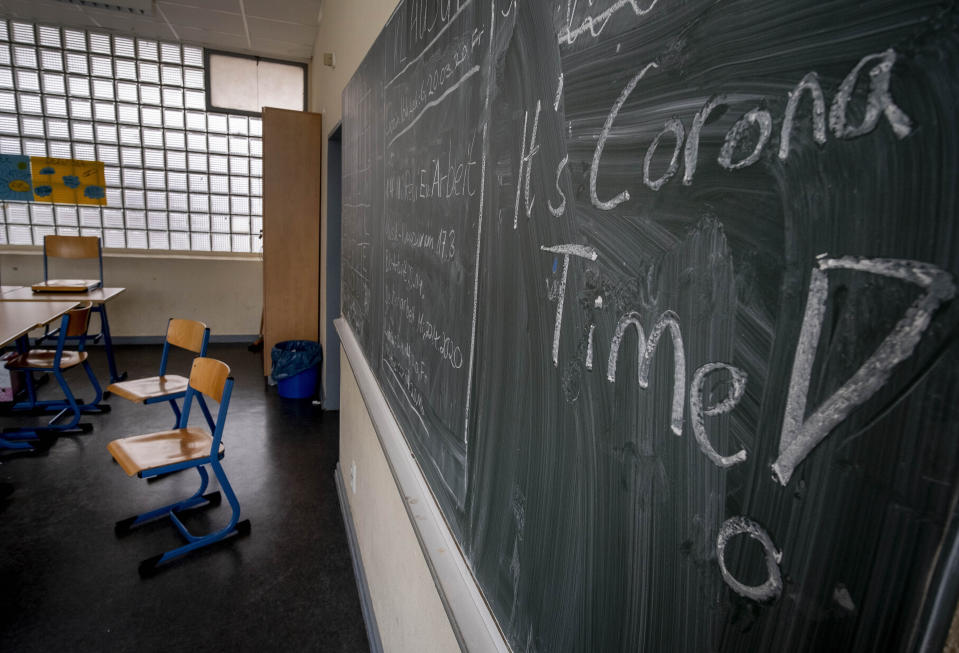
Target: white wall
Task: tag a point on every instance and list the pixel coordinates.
(409, 613)
(405, 601)
(225, 293)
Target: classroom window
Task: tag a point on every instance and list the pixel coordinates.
(244, 84)
(179, 176)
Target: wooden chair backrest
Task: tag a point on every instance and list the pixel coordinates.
(71, 246)
(209, 376)
(79, 319)
(186, 334)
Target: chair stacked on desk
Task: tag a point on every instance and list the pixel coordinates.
(74, 248)
(78, 248)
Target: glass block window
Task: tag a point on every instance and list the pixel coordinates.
(179, 177)
(245, 84)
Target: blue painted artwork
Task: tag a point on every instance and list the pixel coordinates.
(71, 181)
(47, 171)
(15, 181)
(94, 192)
(43, 191)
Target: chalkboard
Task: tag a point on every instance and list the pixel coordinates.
(662, 296)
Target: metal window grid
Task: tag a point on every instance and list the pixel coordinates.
(178, 177)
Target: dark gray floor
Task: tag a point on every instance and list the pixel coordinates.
(66, 583)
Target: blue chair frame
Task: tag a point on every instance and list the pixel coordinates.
(69, 404)
(171, 397)
(198, 499)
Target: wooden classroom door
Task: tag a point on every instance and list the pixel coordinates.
(292, 163)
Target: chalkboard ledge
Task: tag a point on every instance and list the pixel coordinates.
(470, 616)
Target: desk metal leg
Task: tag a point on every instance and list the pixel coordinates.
(108, 344)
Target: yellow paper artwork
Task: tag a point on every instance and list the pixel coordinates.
(68, 181)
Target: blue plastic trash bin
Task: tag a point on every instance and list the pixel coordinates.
(299, 385)
(295, 364)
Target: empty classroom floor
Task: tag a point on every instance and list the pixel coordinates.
(67, 583)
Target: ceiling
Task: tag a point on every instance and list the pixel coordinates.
(283, 29)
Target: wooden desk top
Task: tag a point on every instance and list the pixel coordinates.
(19, 318)
(26, 294)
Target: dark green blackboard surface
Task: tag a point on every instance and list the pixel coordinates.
(661, 295)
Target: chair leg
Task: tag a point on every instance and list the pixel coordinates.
(25, 443)
(64, 406)
(73, 406)
(90, 407)
(197, 500)
(152, 565)
(31, 388)
(176, 412)
(94, 406)
(235, 527)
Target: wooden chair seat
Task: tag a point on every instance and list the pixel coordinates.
(183, 334)
(155, 387)
(44, 359)
(152, 450)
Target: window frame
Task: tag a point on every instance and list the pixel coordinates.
(212, 108)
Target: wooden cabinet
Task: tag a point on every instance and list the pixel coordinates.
(292, 162)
